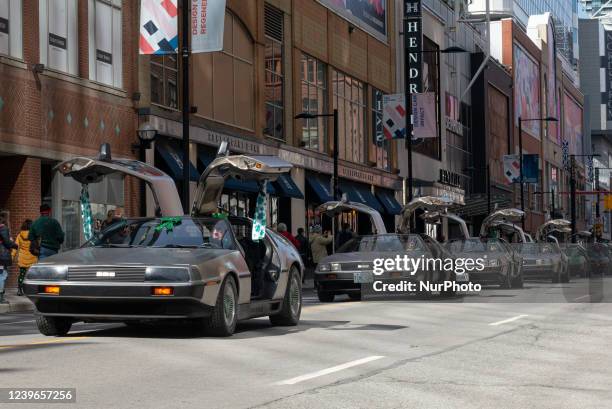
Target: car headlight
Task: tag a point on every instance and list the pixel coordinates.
(167, 274)
(47, 272)
(336, 267)
(323, 267)
(363, 266)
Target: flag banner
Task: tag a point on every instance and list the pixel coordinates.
(512, 167)
(566, 156)
(394, 116)
(590, 170)
(531, 168)
(207, 21)
(424, 124)
(158, 27)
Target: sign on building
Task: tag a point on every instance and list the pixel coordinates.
(607, 65)
(424, 124)
(394, 116)
(512, 167)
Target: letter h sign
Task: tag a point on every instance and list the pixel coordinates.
(412, 8)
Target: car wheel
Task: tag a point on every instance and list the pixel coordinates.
(53, 326)
(292, 304)
(325, 296)
(517, 282)
(506, 281)
(355, 296)
(223, 321)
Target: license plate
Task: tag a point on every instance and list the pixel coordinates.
(363, 278)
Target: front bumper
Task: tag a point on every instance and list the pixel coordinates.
(118, 301)
(488, 276)
(542, 271)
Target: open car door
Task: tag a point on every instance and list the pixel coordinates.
(436, 217)
(244, 167)
(426, 203)
(334, 208)
(559, 225)
(87, 170)
(505, 220)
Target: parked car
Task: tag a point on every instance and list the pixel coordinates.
(544, 261)
(599, 257)
(206, 268)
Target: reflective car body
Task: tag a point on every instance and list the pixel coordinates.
(544, 261)
(599, 256)
(184, 267)
(577, 259)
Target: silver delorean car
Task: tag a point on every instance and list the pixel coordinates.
(206, 268)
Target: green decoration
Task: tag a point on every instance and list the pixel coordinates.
(259, 220)
(86, 216)
(168, 223)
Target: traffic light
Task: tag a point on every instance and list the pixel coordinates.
(608, 202)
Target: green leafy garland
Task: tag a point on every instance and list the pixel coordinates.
(86, 216)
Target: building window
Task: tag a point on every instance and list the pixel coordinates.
(431, 83)
(314, 101)
(105, 53)
(274, 72)
(225, 79)
(382, 144)
(349, 100)
(164, 80)
(58, 35)
(11, 34)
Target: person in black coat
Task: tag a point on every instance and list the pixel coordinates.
(6, 245)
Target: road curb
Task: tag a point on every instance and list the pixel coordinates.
(16, 305)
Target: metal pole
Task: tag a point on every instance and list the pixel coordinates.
(573, 197)
(552, 202)
(336, 190)
(143, 185)
(408, 103)
(489, 189)
(186, 106)
(520, 125)
(597, 214)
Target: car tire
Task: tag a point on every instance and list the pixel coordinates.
(53, 326)
(507, 281)
(325, 296)
(518, 282)
(291, 310)
(222, 322)
(355, 296)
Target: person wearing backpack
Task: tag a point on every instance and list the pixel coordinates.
(25, 259)
(6, 247)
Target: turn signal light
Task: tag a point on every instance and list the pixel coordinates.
(331, 276)
(51, 289)
(163, 291)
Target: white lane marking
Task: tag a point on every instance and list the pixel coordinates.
(328, 371)
(518, 317)
(16, 322)
(584, 296)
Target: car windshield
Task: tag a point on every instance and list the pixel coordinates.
(165, 233)
(476, 246)
(384, 243)
(536, 248)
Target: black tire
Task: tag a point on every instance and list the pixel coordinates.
(222, 322)
(325, 296)
(53, 326)
(289, 314)
(517, 282)
(355, 296)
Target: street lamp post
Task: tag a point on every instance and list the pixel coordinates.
(520, 130)
(308, 115)
(146, 135)
(573, 191)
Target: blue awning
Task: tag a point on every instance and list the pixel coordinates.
(320, 186)
(387, 199)
(286, 187)
(360, 194)
(172, 154)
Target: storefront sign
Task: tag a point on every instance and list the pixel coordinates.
(450, 178)
(608, 74)
(414, 44)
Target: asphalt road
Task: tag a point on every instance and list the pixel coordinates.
(500, 349)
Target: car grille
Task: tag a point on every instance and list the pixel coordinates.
(107, 273)
(355, 266)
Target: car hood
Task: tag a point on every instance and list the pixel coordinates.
(143, 256)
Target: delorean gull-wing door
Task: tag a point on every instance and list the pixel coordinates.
(427, 203)
(334, 208)
(435, 217)
(560, 225)
(242, 167)
(87, 170)
(505, 215)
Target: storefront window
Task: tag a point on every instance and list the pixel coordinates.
(382, 145)
(71, 222)
(274, 60)
(431, 83)
(273, 204)
(11, 22)
(349, 99)
(314, 101)
(164, 80)
(235, 204)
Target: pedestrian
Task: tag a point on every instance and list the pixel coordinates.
(46, 234)
(282, 230)
(25, 259)
(318, 244)
(344, 235)
(6, 246)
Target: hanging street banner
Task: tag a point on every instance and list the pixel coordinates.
(565, 150)
(158, 27)
(607, 66)
(531, 168)
(512, 167)
(590, 170)
(394, 116)
(414, 44)
(424, 124)
(369, 15)
(207, 21)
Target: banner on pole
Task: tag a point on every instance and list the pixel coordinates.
(158, 27)
(512, 167)
(424, 124)
(394, 116)
(531, 168)
(207, 21)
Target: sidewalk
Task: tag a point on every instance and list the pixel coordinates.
(15, 303)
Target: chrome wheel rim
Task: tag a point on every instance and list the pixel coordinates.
(229, 305)
(294, 296)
